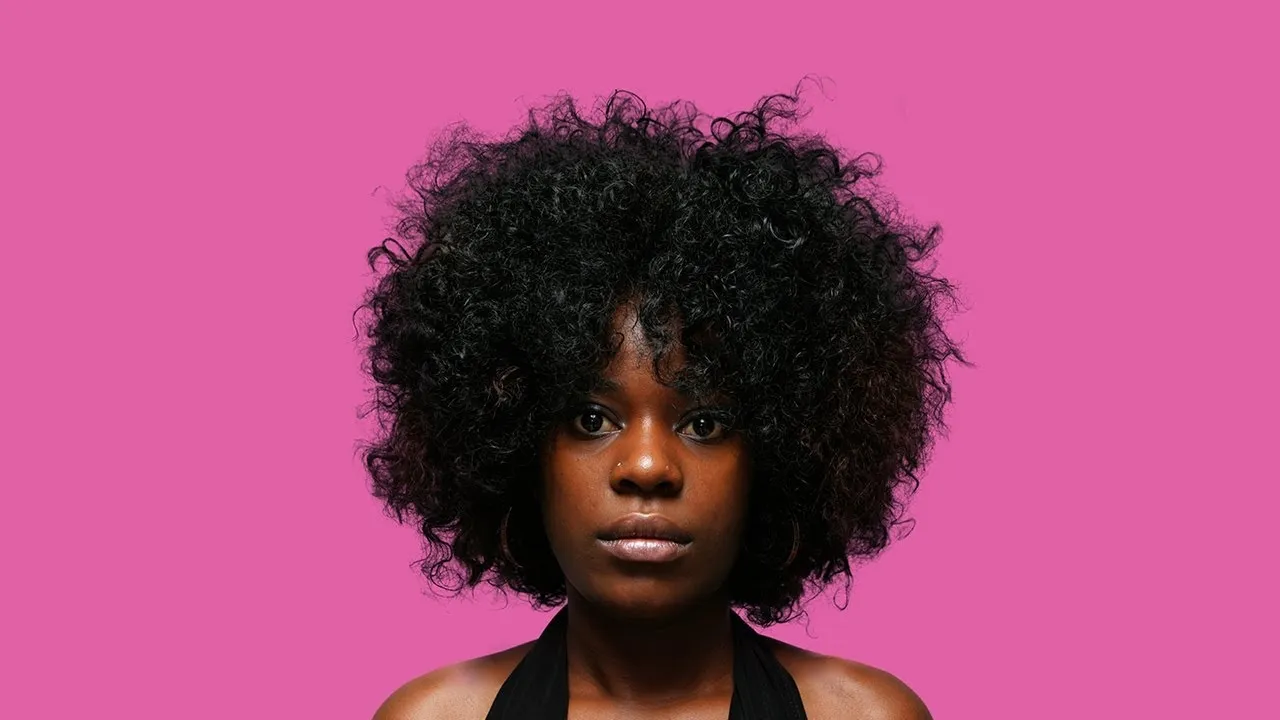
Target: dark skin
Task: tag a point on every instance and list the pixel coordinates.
(650, 640)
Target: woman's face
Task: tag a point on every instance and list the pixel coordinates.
(644, 492)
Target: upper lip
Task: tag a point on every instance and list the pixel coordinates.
(641, 525)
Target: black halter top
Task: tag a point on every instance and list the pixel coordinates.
(538, 688)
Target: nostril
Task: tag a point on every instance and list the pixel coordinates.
(646, 471)
(664, 486)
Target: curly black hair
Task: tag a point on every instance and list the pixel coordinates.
(789, 279)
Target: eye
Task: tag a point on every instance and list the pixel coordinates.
(593, 422)
(705, 427)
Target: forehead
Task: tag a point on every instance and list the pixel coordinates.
(634, 354)
(634, 350)
(631, 367)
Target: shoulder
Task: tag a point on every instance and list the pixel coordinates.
(833, 687)
(463, 690)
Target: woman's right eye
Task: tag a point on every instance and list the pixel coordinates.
(593, 422)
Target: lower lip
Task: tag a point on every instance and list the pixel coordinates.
(648, 550)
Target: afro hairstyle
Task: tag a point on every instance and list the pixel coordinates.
(787, 276)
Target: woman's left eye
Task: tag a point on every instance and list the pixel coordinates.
(704, 427)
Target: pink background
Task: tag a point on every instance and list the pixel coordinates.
(188, 193)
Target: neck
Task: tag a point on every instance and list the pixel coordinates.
(689, 654)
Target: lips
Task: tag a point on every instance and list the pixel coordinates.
(645, 538)
(646, 527)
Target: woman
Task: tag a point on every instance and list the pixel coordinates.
(653, 368)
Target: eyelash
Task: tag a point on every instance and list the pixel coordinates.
(722, 419)
(588, 410)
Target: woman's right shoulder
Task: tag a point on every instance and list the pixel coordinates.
(463, 690)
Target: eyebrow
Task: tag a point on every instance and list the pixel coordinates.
(608, 386)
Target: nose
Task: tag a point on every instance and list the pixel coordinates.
(647, 462)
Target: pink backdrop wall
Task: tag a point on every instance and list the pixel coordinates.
(188, 193)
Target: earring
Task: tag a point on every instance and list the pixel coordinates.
(795, 544)
(502, 540)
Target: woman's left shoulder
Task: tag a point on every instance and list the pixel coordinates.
(834, 687)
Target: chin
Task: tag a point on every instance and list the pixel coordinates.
(642, 598)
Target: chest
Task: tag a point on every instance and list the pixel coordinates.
(708, 708)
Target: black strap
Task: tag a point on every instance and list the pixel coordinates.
(538, 688)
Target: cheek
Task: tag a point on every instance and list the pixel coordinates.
(568, 498)
(735, 519)
(723, 499)
(729, 488)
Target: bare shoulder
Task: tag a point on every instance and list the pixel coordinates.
(463, 690)
(833, 687)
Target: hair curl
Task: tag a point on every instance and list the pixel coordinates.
(790, 281)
